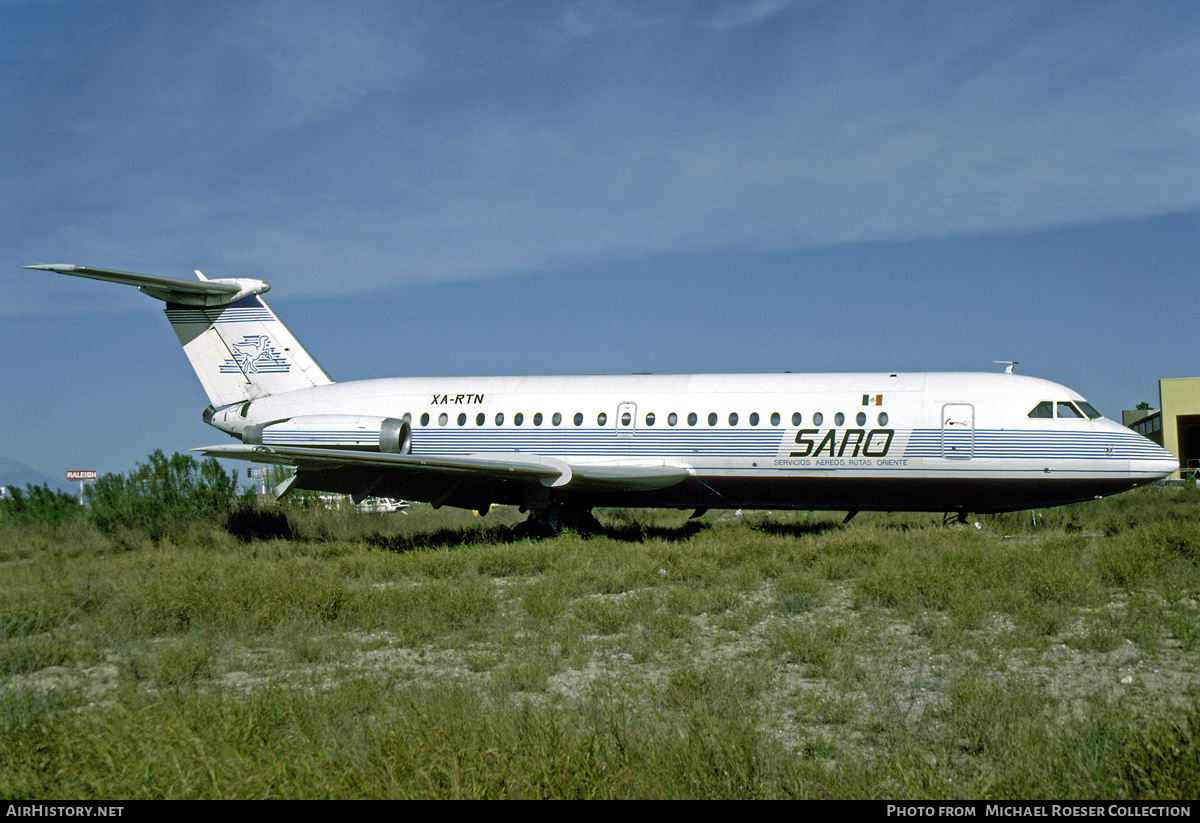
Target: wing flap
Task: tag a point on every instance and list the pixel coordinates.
(628, 476)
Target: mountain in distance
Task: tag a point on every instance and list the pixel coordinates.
(14, 474)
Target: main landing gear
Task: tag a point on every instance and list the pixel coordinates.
(548, 521)
(959, 520)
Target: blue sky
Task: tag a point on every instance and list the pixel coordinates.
(599, 186)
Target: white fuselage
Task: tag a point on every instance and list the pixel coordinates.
(922, 441)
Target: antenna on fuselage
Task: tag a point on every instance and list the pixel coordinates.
(1007, 364)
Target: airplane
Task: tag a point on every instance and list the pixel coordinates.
(558, 447)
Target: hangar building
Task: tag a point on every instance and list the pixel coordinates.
(1176, 427)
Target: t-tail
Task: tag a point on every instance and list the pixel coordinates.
(238, 347)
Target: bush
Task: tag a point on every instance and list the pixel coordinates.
(39, 504)
(162, 495)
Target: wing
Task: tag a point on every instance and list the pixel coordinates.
(441, 478)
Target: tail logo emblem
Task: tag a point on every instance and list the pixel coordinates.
(256, 354)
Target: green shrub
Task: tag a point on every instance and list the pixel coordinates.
(39, 504)
(162, 496)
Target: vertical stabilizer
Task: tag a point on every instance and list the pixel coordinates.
(243, 351)
(238, 347)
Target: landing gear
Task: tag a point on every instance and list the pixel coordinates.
(550, 520)
(958, 520)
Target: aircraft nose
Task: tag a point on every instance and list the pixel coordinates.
(1152, 461)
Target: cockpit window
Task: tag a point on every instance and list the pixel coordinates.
(1064, 409)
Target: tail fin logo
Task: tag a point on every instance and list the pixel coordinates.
(256, 354)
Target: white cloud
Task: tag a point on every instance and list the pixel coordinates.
(747, 13)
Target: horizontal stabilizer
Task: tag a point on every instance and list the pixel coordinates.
(170, 289)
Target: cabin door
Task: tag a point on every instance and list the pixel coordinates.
(958, 431)
(626, 419)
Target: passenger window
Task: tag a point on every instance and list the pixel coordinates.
(556, 419)
(796, 418)
(499, 418)
(601, 418)
(479, 418)
(518, 419)
(462, 419)
(425, 419)
(860, 419)
(712, 418)
(883, 418)
(753, 418)
(818, 418)
(774, 418)
(691, 418)
(672, 419)
(839, 419)
(650, 418)
(443, 419)
(1042, 410)
(578, 418)
(537, 419)
(733, 418)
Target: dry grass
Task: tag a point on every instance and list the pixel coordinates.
(438, 654)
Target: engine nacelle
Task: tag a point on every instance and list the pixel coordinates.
(334, 431)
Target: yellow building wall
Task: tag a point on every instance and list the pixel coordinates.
(1178, 396)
